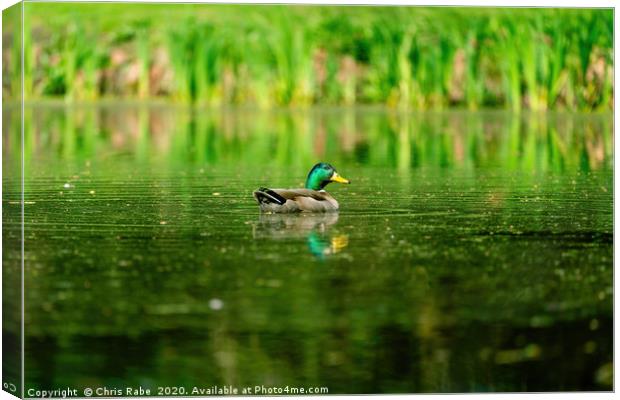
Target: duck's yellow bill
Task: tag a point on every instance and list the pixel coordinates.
(338, 178)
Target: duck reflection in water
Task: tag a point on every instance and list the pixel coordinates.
(315, 228)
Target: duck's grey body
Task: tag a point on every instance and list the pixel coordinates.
(294, 200)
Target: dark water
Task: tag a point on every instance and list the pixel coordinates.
(473, 251)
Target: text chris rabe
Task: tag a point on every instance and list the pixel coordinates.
(128, 391)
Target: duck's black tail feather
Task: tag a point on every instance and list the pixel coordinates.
(264, 195)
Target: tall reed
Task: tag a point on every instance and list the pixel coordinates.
(406, 57)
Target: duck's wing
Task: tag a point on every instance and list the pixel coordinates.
(308, 200)
(294, 194)
(268, 196)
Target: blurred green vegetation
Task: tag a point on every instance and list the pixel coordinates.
(268, 56)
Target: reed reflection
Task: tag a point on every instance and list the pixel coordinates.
(374, 137)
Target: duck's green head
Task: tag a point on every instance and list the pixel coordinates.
(321, 175)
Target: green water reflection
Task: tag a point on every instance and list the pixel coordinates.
(473, 252)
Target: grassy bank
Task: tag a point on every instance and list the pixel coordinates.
(267, 56)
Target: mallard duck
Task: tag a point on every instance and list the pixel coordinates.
(311, 199)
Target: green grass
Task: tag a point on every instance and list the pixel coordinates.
(267, 56)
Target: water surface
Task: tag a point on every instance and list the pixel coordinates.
(472, 252)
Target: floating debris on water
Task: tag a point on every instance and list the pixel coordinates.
(589, 347)
(594, 324)
(605, 374)
(216, 304)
